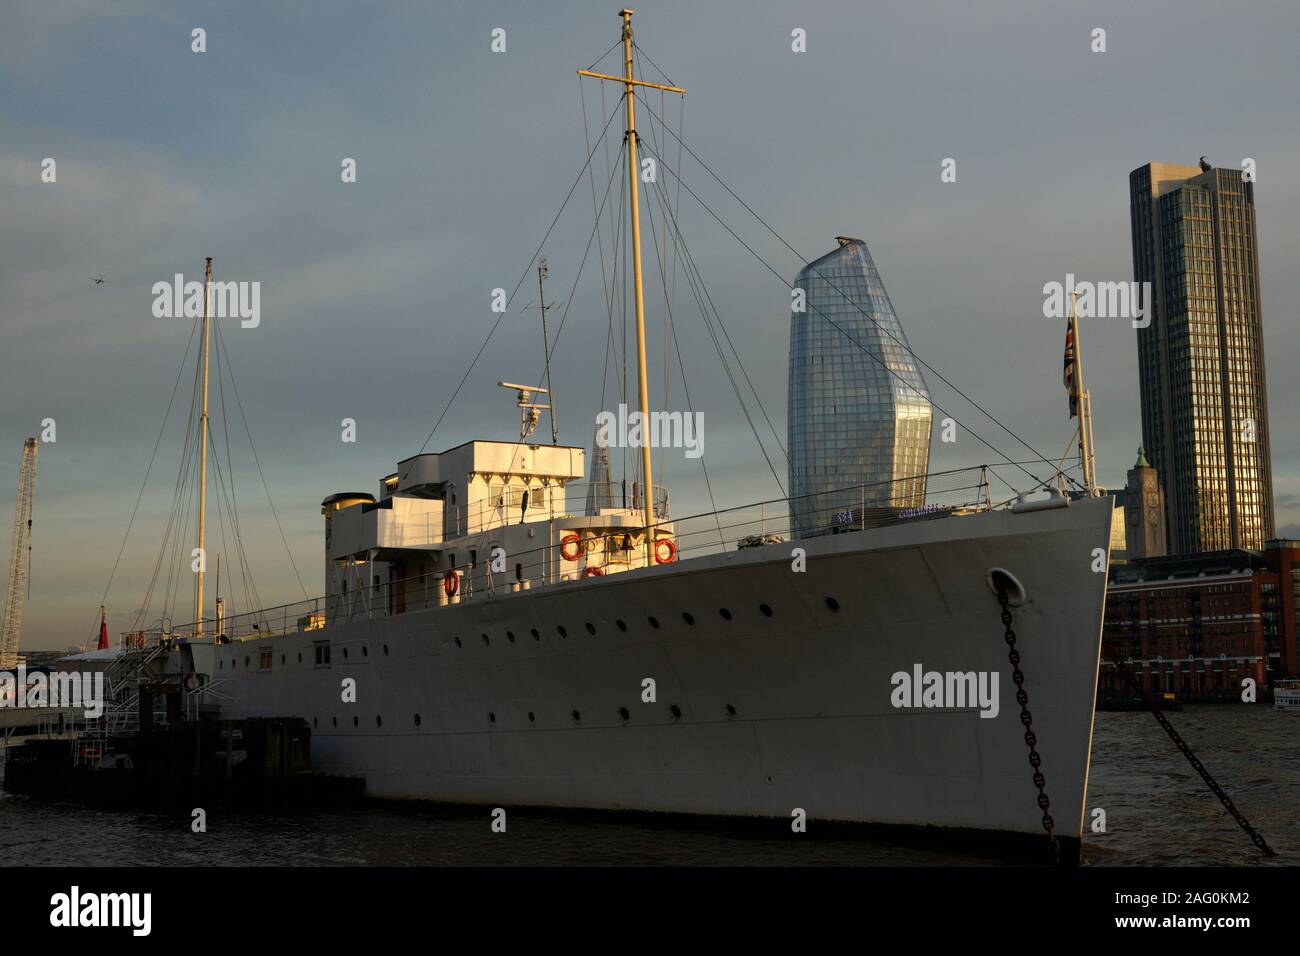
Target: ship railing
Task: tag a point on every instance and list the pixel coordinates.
(779, 520)
(505, 506)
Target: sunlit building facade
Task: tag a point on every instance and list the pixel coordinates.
(859, 412)
(1201, 357)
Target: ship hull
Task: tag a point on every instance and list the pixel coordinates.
(758, 715)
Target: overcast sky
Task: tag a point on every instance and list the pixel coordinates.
(375, 294)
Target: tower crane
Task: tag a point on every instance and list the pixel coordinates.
(20, 557)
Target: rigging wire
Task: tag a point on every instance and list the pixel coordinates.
(866, 350)
(148, 470)
(522, 278)
(845, 295)
(239, 403)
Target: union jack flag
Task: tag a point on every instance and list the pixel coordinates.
(1069, 371)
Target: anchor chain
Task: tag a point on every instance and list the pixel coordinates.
(1027, 719)
(1186, 751)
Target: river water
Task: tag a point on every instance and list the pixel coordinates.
(1157, 812)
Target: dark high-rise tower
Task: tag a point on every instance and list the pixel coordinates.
(1201, 358)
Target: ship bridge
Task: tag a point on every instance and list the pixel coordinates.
(481, 515)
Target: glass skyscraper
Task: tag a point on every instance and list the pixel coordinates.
(859, 412)
(1201, 358)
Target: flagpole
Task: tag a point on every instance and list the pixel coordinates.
(1086, 453)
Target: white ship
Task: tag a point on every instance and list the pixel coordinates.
(486, 639)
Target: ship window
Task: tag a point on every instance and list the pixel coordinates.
(621, 625)
(313, 721)
(335, 720)
(731, 711)
(688, 617)
(654, 622)
(561, 630)
(385, 650)
(767, 611)
(486, 640)
(833, 604)
(300, 657)
(356, 722)
(532, 718)
(492, 718)
(676, 711)
(726, 615)
(379, 721)
(365, 650)
(322, 653)
(417, 720)
(536, 636)
(519, 572)
(282, 658)
(345, 653)
(376, 583)
(623, 712)
(246, 658)
(577, 716)
(591, 628)
(510, 636)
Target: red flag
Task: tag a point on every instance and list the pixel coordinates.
(103, 630)
(1069, 371)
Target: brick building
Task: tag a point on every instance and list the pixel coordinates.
(1197, 624)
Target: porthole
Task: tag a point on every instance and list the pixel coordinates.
(623, 712)
(532, 718)
(510, 636)
(767, 611)
(313, 721)
(487, 641)
(345, 653)
(417, 720)
(385, 650)
(365, 650)
(281, 658)
(676, 711)
(833, 604)
(379, 721)
(335, 720)
(591, 628)
(300, 657)
(577, 716)
(221, 665)
(621, 626)
(245, 661)
(458, 643)
(726, 615)
(654, 622)
(731, 711)
(688, 617)
(560, 629)
(492, 718)
(536, 636)
(356, 722)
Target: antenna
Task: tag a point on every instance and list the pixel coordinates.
(542, 273)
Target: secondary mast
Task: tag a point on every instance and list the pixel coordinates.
(630, 84)
(203, 458)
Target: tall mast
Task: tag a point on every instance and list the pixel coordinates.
(1087, 454)
(630, 84)
(203, 457)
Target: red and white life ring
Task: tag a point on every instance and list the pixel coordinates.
(592, 572)
(671, 556)
(451, 583)
(576, 553)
